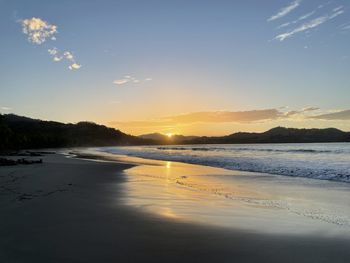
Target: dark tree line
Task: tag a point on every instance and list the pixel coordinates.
(17, 132)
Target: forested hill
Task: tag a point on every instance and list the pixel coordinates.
(17, 132)
(279, 135)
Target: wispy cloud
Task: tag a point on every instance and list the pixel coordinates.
(38, 30)
(120, 81)
(207, 117)
(311, 24)
(129, 79)
(227, 116)
(251, 116)
(346, 27)
(339, 115)
(5, 108)
(307, 109)
(303, 17)
(285, 10)
(337, 8)
(300, 113)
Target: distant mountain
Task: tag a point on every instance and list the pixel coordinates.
(174, 139)
(279, 135)
(18, 132)
(154, 136)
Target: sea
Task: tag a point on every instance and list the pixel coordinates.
(323, 161)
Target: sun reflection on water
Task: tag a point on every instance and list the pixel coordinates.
(214, 196)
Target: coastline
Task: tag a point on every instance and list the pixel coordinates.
(76, 214)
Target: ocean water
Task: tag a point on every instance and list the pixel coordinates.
(325, 161)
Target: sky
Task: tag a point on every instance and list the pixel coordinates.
(182, 67)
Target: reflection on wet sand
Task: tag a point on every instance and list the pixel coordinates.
(250, 201)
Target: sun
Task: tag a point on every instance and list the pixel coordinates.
(169, 135)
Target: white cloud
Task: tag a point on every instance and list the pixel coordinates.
(128, 79)
(74, 66)
(337, 8)
(346, 27)
(309, 25)
(120, 81)
(38, 30)
(6, 108)
(306, 15)
(52, 51)
(285, 10)
(58, 56)
(68, 55)
(303, 17)
(56, 59)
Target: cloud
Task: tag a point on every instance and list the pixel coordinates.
(74, 66)
(227, 116)
(67, 55)
(337, 8)
(285, 10)
(128, 79)
(309, 25)
(303, 17)
(38, 30)
(251, 116)
(340, 115)
(6, 108)
(54, 52)
(207, 117)
(307, 109)
(120, 81)
(299, 113)
(346, 27)
(56, 59)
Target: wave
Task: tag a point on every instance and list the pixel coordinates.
(244, 149)
(330, 162)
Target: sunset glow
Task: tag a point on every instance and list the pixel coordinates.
(197, 73)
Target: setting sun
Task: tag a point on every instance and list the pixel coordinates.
(169, 135)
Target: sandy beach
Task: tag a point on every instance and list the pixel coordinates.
(72, 210)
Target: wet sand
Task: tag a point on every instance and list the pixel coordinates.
(69, 210)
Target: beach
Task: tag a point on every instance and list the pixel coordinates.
(74, 210)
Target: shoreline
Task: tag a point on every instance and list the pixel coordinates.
(88, 222)
(256, 202)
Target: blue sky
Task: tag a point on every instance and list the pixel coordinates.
(140, 65)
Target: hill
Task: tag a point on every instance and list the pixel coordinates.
(279, 135)
(18, 132)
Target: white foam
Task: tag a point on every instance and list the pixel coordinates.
(318, 161)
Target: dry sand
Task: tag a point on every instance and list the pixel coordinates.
(69, 210)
